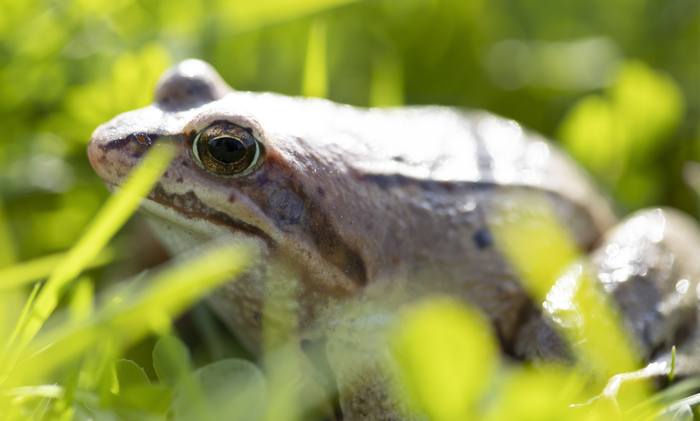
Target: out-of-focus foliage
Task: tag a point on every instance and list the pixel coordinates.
(620, 135)
(443, 332)
(617, 82)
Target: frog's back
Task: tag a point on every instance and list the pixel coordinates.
(432, 144)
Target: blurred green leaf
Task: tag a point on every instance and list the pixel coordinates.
(148, 399)
(440, 348)
(649, 104)
(130, 374)
(137, 392)
(618, 136)
(539, 394)
(592, 133)
(232, 389)
(171, 359)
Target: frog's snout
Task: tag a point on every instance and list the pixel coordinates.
(113, 156)
(100, 152)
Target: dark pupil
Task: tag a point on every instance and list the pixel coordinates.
(227, 150)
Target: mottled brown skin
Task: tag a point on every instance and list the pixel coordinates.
(363, 204)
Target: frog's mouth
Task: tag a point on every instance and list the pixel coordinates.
(190, 214)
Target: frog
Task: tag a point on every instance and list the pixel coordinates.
(356, 204)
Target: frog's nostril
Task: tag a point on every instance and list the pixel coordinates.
(108, 152)
(142, 139)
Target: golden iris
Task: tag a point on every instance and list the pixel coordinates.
(227, 149)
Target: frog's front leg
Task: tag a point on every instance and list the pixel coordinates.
(358, 354)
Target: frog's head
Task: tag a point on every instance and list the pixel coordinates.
(234, 174)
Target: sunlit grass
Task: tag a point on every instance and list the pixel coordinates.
(126, 318)
(40, 268)
(447, 358)
(315, 82)
(254, 15)
(114, 214)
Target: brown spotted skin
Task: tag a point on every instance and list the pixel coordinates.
(355, 202)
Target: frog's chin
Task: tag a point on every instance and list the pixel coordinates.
(181, 233)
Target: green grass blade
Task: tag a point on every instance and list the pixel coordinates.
(167, 294)
(24, 273)
(672, 373)
(8, 253)
(113, 215)
(82, 299)
(315, 69)
(52, 391)
(674, 393)
(23, 317)
(386, 89)
(249, 16)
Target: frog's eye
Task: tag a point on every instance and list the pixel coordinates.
(226, 149)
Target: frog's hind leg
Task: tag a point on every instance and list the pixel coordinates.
(650, 265)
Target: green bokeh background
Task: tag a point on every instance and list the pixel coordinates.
(616, 82)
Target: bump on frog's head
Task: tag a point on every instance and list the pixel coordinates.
(188, 84)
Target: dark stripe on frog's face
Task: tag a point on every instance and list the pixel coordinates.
(189, 205)
(276, 188)
(335, 251)
(137, 143)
